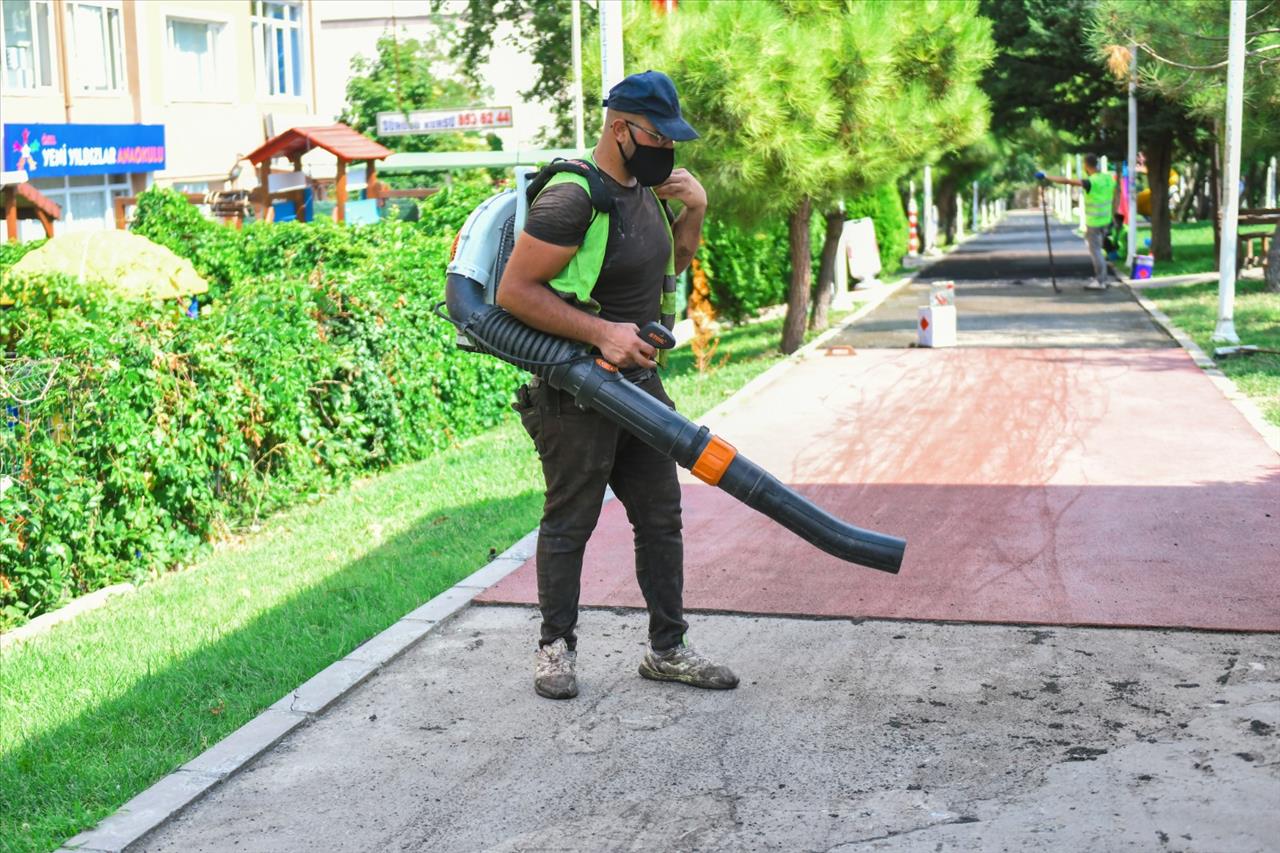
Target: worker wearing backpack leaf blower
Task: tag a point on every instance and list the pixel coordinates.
(582, 452)
(574, 303)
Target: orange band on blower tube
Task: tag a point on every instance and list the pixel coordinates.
(714, 461)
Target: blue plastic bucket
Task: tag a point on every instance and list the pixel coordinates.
(1143, 266)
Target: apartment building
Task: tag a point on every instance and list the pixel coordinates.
(101, 98)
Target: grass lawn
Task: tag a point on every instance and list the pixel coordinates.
(101, 707)
(1194, 308)
(1192, 249)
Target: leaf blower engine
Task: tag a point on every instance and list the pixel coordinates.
(480, 256)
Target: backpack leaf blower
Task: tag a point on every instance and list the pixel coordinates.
(480, 256)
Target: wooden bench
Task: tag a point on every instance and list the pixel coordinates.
(1252, 223)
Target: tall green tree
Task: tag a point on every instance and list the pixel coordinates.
(1182, 49)
(753, 85)
(908, 86)
(1045, 69)
(545, 33)
(1048, 69)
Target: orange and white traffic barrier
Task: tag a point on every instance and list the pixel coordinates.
(913, 231)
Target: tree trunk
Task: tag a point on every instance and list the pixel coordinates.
(947, 211)
(801, 277)
(827, 272)
(1215, 193)
(1273, 262)
(1204, 193)
(1190, 182)
(1159, 161)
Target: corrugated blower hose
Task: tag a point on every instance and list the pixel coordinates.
(480, 255)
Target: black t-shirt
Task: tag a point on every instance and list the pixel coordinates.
(629, 289)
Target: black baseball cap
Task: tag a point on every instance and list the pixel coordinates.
(652, 95)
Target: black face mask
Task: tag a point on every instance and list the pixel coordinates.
(649, 166)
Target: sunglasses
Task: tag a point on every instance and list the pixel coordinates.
(658, 138)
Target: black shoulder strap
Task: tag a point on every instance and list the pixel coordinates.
(600, 198)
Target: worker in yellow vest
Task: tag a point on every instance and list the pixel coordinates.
(1100, 201)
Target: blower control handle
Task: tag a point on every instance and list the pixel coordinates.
(657, 334)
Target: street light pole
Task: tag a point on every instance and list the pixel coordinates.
(930, 226)
(1133, 157)
(1080, 171)
(1271, 184)
(610, 46)
(579, 122)
(1226, 329)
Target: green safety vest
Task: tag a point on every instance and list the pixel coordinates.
(580, 275)
(1097, 201)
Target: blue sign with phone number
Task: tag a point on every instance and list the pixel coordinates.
(56, 150)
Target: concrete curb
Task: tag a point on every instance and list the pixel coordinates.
(1171, 280)
(1270, 434)
(164, 800)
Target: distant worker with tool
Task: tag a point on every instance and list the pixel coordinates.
(555, 281)
(1100, 201)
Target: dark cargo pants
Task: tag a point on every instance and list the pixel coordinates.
(581, 453)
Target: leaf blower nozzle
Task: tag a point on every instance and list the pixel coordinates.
(594, 383)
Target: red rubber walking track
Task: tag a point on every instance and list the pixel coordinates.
(1045, 486)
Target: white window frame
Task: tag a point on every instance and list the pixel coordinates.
(262, 31)
(223, 59)
(111, 186)
(121, 85)
(38, 50)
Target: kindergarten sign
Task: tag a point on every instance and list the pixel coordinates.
(441, 121)
(57, 150)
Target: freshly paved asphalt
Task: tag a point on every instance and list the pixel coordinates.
(1005, 297)
(1049, 475)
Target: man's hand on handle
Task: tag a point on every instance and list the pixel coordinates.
(621, 344)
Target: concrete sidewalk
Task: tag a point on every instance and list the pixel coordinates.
(848, 732)
(843, 736)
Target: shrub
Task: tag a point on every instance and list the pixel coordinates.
(11, 253)
(165, 216)
(747, 269)
(445, 212)
(320, 359)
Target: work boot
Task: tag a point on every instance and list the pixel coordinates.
(553, 671)
(686, 664)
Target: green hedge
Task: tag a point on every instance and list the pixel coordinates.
(11, 253)
(749, 268)
(318, 358)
